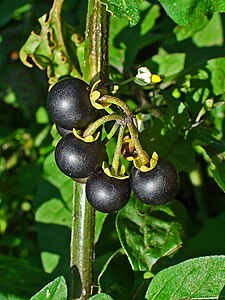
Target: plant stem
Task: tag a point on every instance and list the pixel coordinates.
(83, 218)
(96, 43)
(118, 102)
(116, 157)
(82, 235)
(95, 125)
(131, 124)
(144, 158)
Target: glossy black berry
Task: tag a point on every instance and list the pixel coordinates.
(69, 105)
(107, 194)
(156, 186)
(78, 159)
(63, 131)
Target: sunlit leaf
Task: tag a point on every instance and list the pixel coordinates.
(184, 12)
(101, 296)
(55, 290)
(198, 278)
(127, 9)
(147, 237)
(47, 50)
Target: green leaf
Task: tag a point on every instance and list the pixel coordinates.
(214, 150)
(217, 168)
(6, 296)
(52, 205)
(126, 9)
(164, 138)
(17, 279)
(99, 221)
(186, 11)
(124, 52)
(101, 296)
(55, 290)
(147, 237)
(47, 50)
(210, 239)
(198, 278)
(217, 69)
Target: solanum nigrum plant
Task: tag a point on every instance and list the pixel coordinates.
(69, 105)
(78, 159)
(156, 186)
(145, 235)
(107, 194)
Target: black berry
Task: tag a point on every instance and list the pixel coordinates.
(107, 194)
(69, 105)
(156, 186)
(78, 159)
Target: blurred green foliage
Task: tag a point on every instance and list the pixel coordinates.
(182, 119)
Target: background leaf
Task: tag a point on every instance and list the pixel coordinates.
(53, 217)
(17, 279)
(202, 277)
(147, 237)
(187, 11)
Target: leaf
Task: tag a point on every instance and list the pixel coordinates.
(47, 50)
(217, 70)
(127, 9)
(197, 278)
(99, 221)
(215, 151)
(101, 296)
(218, 169)
(52, 205)
(17, 279)
(185, 12)
(147, 237)
(125, 51)
(164, 138)
(55, 290)
(5, 296)
(210, 239)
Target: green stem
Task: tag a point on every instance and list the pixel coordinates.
(82, 235)
(116, 157)
(114, 100)
(143, 156)
(112, 131)
(83, 215)
(96, 43)
(131, 124)
(95, 125)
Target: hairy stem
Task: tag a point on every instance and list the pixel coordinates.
(116, 157)
(95, 125)
(83, 219)
(118, 102)
(143, 156)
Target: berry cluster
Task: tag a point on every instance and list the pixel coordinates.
(80, 153)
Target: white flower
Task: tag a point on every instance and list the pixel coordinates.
(144, 77)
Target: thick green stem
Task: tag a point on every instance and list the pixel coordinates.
(82, 242)
(83, 219)
(96, 43)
